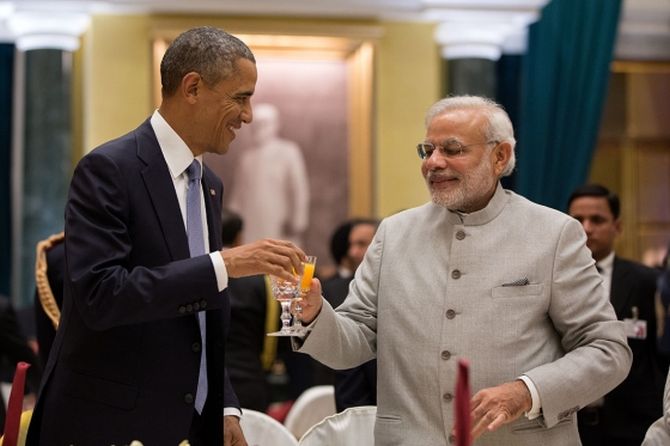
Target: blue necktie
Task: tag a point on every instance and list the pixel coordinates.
(196, 246)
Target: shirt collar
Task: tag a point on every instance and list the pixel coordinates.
(607, 263)
(175, 151)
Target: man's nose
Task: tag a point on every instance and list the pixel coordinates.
(436, 161)
(588, 226)
(247, 115)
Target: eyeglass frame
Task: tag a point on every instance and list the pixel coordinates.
(456, 148)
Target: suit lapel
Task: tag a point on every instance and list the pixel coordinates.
(160, 188)
(621, 288)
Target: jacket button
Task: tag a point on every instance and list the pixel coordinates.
(182, 309)
(189, 308)
(203, 304)
(188, 398)
(195, 347)
(450, 314)
(460, 235)
(446, 355)
(447, 397)
(196, 306)
(456, 274)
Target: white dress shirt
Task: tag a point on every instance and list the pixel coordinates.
(178, 157)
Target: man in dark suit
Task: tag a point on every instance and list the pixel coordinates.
(356, 386)
(139, 351)
(622, 417)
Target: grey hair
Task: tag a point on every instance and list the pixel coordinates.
(211, 52)
(499, 126)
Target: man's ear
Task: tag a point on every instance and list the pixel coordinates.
(618, 226)
(190, 86)
(501, 156)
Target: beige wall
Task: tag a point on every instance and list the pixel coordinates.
(407, 84)
(116, 90)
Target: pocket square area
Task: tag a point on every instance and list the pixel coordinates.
(518, 282)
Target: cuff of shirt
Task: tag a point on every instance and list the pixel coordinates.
(219, 270)
(234, 411)
(536, 406)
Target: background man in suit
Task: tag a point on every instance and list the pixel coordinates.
(247, 340)
(480, 273)
(139, 350)
(356, 386)
(622, 417)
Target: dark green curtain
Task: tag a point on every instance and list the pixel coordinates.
(564, 81)
(508, 94)
(6, 87)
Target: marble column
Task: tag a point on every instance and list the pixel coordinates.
(46, 157)
(42, 135)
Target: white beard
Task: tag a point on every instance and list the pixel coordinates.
(473, 186)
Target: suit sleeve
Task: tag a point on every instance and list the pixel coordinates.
(229, 396)
(597, 355)
(658, 433)
(347, 337)
(116, 257)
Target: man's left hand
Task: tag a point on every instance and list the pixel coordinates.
(496, 406)
(232, 432)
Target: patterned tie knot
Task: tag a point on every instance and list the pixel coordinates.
(194, 171)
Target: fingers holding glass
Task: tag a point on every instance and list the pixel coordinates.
(290, 293)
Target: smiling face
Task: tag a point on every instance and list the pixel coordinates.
(222, 108)
(466, 182)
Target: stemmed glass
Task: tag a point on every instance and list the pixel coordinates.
(289, 293)
(284, 291)
(308, 267)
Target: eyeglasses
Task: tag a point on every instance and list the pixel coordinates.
(449, 149)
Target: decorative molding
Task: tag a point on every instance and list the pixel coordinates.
(47, 30)
(493, 26)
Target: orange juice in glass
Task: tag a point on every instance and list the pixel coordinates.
(308, 267)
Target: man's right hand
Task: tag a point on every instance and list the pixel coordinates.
(311, 303)
(268, 256)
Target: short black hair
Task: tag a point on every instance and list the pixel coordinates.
(231, 226)
(339, 241)
(597, 190)
(209, 51)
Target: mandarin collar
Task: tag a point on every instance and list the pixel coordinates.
(485, 215)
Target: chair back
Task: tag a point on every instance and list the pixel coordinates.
(262, 430)
(312, 406)
(353, 426)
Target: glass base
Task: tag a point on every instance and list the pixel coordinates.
(292, 331)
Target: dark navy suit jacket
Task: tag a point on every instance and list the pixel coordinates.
(124, 364)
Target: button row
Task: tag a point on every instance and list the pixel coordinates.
(190, 308)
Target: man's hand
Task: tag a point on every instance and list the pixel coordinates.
(232, 432)
(497, 406)
(275, 257)
(311, 303)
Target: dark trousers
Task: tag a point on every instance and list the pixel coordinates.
(196, 435)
